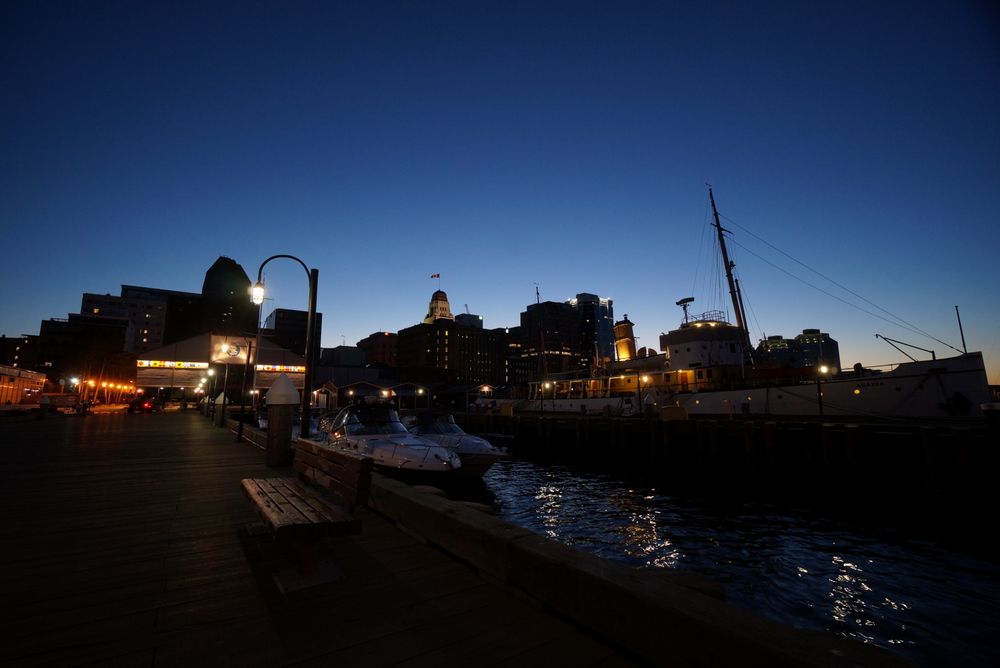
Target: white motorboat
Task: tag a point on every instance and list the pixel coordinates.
(477, 454)
(374, 429)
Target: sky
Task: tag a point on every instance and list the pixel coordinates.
(853, 149)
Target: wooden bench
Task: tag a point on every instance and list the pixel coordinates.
(319, 503)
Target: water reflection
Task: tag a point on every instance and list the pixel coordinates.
(934, 606)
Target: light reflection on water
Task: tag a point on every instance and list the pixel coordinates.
(935, 606)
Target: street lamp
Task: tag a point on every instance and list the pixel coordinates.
(211, 374)
(257, 297)
(822, 370)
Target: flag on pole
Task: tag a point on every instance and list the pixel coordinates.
(435, 275)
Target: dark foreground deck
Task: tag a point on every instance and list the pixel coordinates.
(125, 542)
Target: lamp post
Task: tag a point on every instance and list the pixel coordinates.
(211, 374)
(821, 371)
(257, 297)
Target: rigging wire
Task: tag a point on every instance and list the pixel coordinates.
(899, 321)
(841, 299)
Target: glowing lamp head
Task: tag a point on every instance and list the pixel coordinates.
(257, 293)
(824, 369)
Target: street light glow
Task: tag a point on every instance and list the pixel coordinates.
(257, 293)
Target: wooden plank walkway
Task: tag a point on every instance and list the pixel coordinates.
(124, 542)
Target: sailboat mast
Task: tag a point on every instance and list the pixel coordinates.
(734, 292)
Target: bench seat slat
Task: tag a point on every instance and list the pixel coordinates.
(289, 508)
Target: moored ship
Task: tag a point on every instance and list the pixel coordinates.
(707, 366)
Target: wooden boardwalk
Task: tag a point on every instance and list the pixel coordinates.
(125, 543)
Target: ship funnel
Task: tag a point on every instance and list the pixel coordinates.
(624, 340)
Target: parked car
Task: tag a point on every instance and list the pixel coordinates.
(143, 405)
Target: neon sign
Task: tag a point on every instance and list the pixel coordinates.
(161, 364)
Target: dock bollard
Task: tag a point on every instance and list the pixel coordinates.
(218, 410)
(281, 400)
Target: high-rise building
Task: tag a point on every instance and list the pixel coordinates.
(817, 347)
(810, 348)
(551, 337)
(596, 328)
(226, 300)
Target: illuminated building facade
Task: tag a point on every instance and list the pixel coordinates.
(439, 308)
(19, 385)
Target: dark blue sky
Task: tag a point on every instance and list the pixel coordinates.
(504, 144)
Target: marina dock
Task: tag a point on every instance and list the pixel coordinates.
(129, 542)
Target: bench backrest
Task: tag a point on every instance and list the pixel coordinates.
(345, 476)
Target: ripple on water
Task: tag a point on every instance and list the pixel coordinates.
(932, 605)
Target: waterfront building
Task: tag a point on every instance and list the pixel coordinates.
(19, 385)
(381, 348)
(84, 346)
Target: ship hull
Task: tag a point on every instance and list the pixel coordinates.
(951, 388)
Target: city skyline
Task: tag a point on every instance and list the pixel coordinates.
(508, 147)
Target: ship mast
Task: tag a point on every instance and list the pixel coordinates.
(734, 290)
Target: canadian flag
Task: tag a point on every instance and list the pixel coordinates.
(435, 275)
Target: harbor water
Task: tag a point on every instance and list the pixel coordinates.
(929, 601)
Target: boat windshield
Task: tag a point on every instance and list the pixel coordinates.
(372, 420)
(440, 425)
